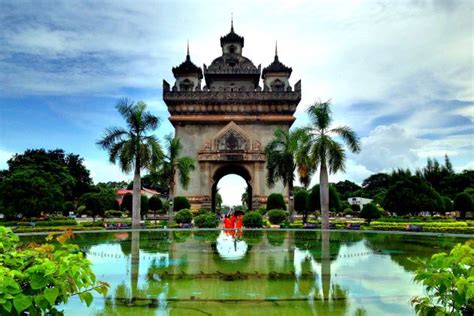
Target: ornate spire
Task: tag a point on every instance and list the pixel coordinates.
(276, 48)
(232, 21)
(188, 57)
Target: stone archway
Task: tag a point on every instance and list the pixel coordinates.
(225, 170)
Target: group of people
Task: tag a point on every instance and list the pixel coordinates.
(232, 221)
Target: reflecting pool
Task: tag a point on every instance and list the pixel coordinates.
(254, 272)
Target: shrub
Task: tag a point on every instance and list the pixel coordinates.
(448, 204)
(355, 208)
(201, 211)
(113, 213)
(261, 210)
(49, 273)
(348, 211)
(453, 295)
(276, 217)
(313, 201)
(276, 201)
(179, 203)
(155, 203)
(184, 216)
(463, 203)
(370, 212)
(67, 222)
(68, 206)
(206, 220)
(253, 220)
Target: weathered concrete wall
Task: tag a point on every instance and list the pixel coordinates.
(193, 137)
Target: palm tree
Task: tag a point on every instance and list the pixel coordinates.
(324, 152)
(132, 147)
(281, 164)
(173, 164)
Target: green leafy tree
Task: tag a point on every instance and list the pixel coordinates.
(174, 165)
(281, 160)
(449, 283)
(376, 183)
(370, 212)
(313, 202)
(412, 196)
(144, 206)
(463, 203)
(37, 278)
(132, 147)
(300, 203)
(127, 203)
(96, 203)
(448, 204)
(218, 202)
(155, 204)
(435, 173)
(347, 188)
(456, 183)
(30, 191)
(276, 201)
(324, 152)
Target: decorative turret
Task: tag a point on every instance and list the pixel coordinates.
(188, 76)
(232, 43)
(275, 76)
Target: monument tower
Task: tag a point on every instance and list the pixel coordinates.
(226, 124)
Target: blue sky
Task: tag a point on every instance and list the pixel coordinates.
(399, 72)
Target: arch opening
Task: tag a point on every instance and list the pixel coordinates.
(234, 170)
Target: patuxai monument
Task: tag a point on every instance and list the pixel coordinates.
(226, 121)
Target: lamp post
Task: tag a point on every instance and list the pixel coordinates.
(170, 211)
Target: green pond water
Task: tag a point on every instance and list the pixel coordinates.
(254, 272)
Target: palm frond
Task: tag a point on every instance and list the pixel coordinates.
(185, 165)
(349, 137)
(320, 114)
(336, 157)
(111, 137)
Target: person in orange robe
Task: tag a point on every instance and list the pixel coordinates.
(227, 223)
(232, 221)
(238, 223)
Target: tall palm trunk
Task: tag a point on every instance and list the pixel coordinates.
(171, 195)
(325, 264)
(136, 199)
(324, 193)
(135, 263)
(291, 200)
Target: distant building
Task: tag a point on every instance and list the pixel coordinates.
(146, 192)
(359, 201)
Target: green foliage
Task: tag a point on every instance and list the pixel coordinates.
(370, 212)
(355, 208)
(37, 278)
(144, 206)
(463, 203)
(276, 217)
(276, 201)
(376, 183)
(449, 283)
(300, 203)
(96, 203)
(412, 196)
(180, 202)
(348, 211)
(201, 211)
(313, 202)
(261, 210)
(184, 216)
(68, 206)
(346, 189)
(113, 213)
(64, 222)
(253, 220)
(127, 203)
(206, 220)
(155, 203)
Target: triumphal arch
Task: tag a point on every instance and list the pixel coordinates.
(226, 121)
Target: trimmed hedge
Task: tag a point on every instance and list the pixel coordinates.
(276, 202)
(25, 229)
(207, 220)
(276, 217)
(253, 220)
(180, 203)
(184, 216)
(67, 222)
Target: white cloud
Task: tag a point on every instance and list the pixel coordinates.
(5, 155)
(104, 171)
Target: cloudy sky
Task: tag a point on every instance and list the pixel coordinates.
(399, 72)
